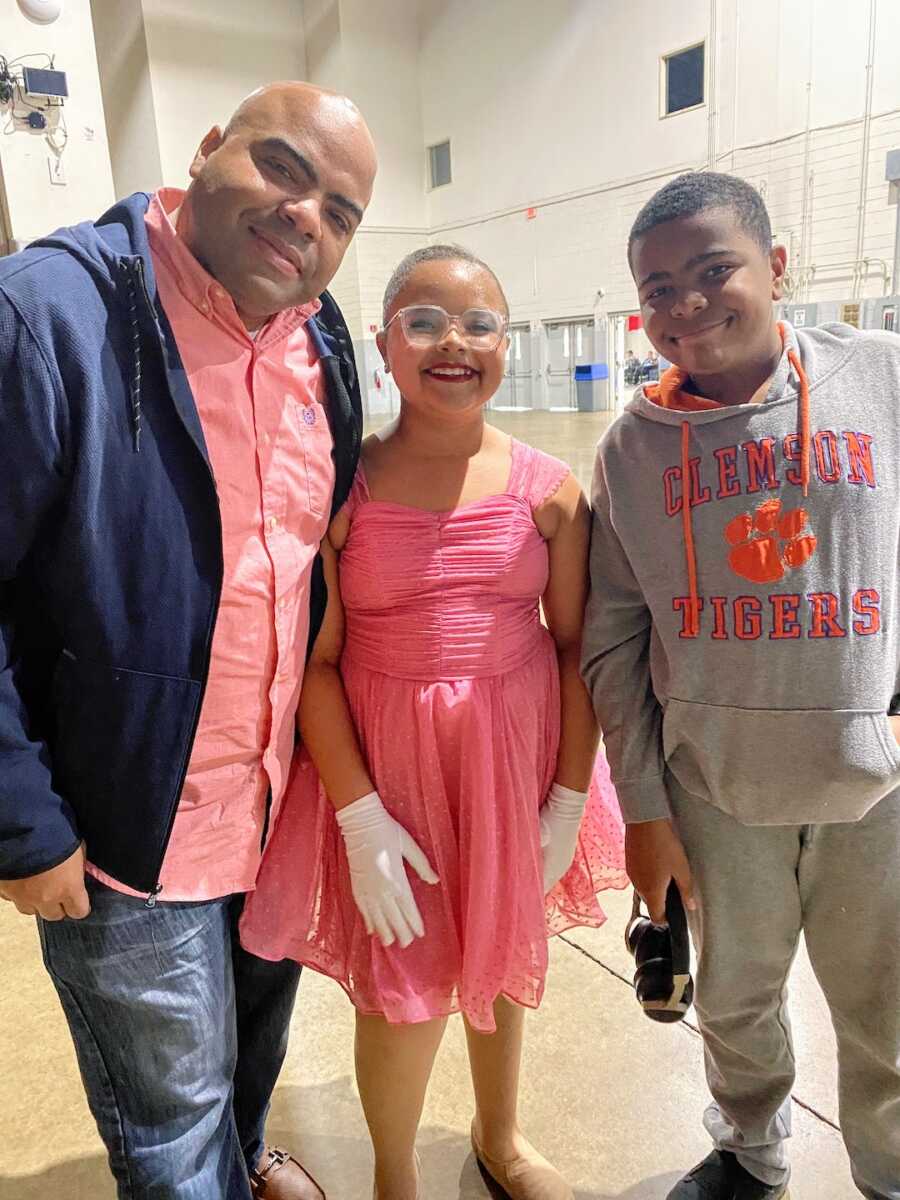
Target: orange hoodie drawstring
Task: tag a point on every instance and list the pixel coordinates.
(687, 524)
(805, 436)
(692, 623)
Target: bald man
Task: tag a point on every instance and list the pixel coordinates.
(179, 416)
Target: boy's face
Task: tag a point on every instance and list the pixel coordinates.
(706, 290)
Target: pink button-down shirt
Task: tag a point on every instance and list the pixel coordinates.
(269, 443)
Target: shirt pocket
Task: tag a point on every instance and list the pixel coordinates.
(318, 464)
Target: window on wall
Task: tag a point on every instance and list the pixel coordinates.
(683, 79)
(439, 165)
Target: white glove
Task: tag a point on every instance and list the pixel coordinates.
(376, 847)
(560, 822)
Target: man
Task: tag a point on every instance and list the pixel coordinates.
(650, 367)
(632, 366)
(179, 417)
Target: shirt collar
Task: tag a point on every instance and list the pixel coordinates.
(196, 284)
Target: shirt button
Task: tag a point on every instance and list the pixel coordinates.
(272, 523)
(282, 603)
(204, 306)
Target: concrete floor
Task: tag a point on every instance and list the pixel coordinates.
(613, 1099)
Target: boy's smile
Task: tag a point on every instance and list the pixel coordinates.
(706, 289)
(706, 330)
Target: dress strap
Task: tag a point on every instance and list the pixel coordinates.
(534, 474)
(359, 492)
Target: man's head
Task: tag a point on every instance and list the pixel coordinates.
(702, 257)
(276, 198)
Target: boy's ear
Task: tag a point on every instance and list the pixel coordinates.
(778, 262)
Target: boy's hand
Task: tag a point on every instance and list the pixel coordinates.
(895, 726)
(654, 856)
(54, 894)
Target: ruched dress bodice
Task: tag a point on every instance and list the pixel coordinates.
(431, 595)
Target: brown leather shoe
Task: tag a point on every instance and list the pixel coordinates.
(280, 1177)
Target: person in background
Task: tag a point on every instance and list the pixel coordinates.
(649, 368)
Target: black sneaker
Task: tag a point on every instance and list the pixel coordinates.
(662, 955)
(721, 1177)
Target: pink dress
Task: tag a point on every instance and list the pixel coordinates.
(453, 685)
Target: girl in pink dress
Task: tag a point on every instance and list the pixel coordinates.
(444, 727)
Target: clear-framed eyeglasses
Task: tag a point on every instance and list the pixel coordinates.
(428, 325)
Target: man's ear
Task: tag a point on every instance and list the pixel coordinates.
(208, 146)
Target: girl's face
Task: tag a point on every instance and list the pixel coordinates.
(448, 378)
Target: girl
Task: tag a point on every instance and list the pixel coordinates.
(444, 727)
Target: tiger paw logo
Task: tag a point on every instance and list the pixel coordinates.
(769, 543)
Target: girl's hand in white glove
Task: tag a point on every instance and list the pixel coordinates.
(560, 822)
(376, 847)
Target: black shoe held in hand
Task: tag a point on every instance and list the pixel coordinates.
(662, 955)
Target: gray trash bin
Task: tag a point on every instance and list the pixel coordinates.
(592, 387)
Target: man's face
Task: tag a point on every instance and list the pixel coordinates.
(275, 201)
(706, 289)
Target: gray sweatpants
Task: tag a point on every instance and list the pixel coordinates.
(757, 887)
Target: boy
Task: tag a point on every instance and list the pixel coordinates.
(742, 652)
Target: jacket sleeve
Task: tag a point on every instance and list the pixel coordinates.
(37, 826)
(615, 665)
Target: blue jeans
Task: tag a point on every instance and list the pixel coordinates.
(180, 1035)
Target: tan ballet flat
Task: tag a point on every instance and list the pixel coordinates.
(527, 1177)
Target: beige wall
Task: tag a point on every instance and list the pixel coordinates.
(206, 56)
(127, 95)
(565, 118)
(172, 69)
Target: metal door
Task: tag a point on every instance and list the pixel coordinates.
(569, 343)
(517, 379)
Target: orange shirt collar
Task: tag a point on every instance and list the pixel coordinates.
(669, 393)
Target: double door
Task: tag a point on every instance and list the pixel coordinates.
(516, 390)
(569, 344)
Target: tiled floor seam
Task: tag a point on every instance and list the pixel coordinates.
(691, 1027)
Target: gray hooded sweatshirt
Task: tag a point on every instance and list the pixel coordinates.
(750, 643)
